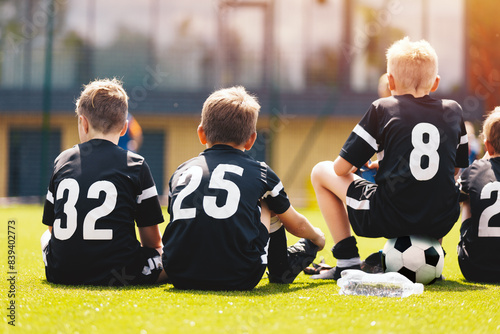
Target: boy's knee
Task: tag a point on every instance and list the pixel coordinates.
(320, 170)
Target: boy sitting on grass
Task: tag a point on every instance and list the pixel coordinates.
(97, 192)
(420, 143)
(479, 247)
(220, 203)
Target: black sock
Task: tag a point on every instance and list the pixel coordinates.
(277, 256)
(346, 249)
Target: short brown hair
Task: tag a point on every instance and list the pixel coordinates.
(229, 115)
(104, 103)
(414, 65)
(491, 129)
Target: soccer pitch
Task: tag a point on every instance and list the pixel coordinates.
(305, 306)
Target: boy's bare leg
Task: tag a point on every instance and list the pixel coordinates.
(265, 215)
(331, 192)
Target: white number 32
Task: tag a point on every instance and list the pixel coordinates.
(89, 230)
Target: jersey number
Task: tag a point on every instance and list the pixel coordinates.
(425, 139)
(217, 182)
(89, 230)
(484, 230)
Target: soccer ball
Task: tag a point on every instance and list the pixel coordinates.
(419, 258)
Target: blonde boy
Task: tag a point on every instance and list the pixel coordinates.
(420, 144)
(220, 205)
(479, 247)
(97, 193)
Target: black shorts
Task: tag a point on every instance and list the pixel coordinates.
(366, 221)
(358, 197)
(247, 283)
(144, 268)
(203, 275)
(474, 271)
(478, 262)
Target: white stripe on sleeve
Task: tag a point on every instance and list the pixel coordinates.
(147, 193)
(275, 192)
(366, 136)
(463, 140)
(50, 197)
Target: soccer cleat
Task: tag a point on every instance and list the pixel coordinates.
(317, 268)
(334, 273)
(373, 263)
(299, 256)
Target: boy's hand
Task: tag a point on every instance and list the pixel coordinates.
(372, 164)
(319, 240)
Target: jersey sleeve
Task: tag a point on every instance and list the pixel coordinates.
(276, 197)
(463, 183)
(362, 142)
(148, 204)
(48, 208)
(462, 158)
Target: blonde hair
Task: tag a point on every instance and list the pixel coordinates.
(229, 115)
(491, 129)
(414, 65)
(104, 103)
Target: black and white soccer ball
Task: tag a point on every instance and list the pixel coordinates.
(419, 258)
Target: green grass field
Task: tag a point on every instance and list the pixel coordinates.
(306, 306)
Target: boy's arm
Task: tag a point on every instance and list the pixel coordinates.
(466, 214)
(150, 237)
(298, 225)
(342, 167)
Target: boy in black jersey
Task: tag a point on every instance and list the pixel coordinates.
(421, 143)
(220, 206)
(479, 247)
(97, 193)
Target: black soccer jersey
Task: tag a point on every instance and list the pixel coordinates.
(481, 232)
(215, 238)
(96, 192)
(419, 142)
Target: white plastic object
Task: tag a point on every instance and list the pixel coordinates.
(392, 284)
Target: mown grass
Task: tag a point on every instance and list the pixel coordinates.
(306, 306)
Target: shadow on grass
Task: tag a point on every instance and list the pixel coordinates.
(457, 286)
(100, 287)
(260, 290)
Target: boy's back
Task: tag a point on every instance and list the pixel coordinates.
(416, 190)
(215, 238)
(99, 190)
(479, 247)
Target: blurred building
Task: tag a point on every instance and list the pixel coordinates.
(314, 65)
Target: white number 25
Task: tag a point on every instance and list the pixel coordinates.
(217, 181)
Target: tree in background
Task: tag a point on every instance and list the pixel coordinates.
(482, 29)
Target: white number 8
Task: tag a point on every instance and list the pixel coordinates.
(422, 149)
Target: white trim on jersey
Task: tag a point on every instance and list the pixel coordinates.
(146, 194)
(357, 205)
(463, 140)
(50, 197)
(275, 192)
(366, 136)
(263, 257)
